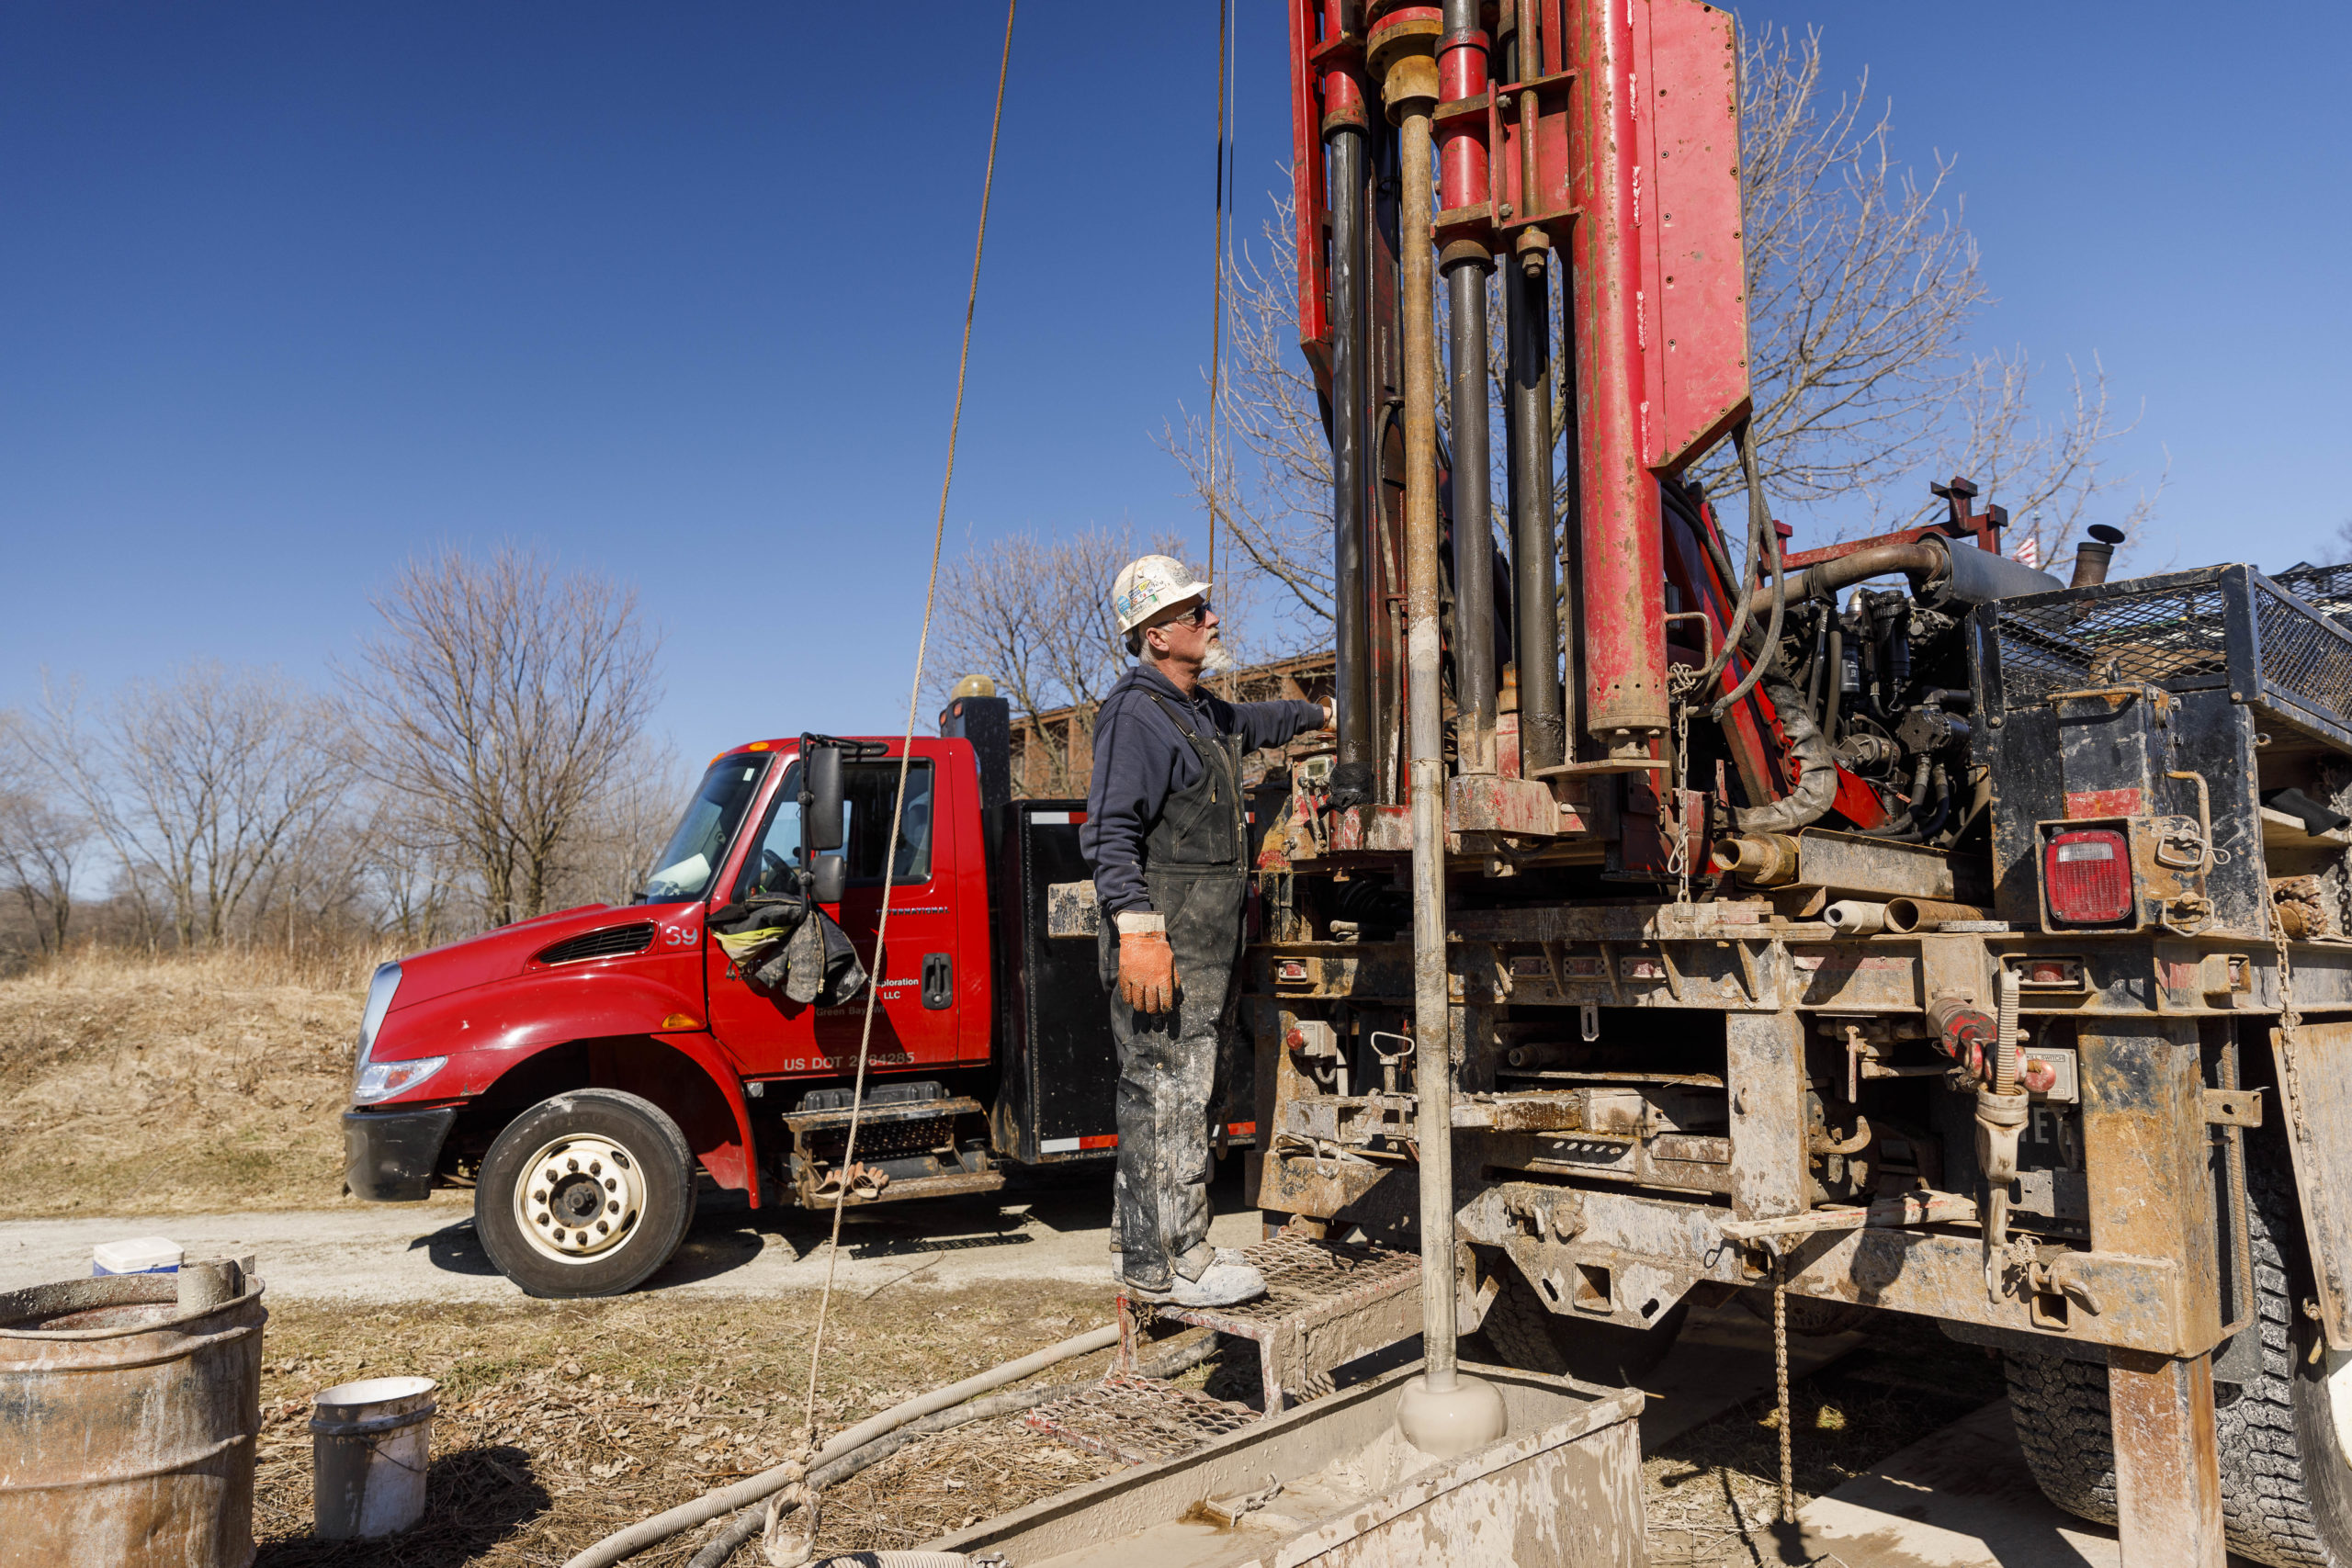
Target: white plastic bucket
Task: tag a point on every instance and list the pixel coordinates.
(371, 1442)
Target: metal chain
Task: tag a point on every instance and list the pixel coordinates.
(1780, 1383)
(1682, 683)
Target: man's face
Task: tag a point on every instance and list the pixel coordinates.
(1189, 633)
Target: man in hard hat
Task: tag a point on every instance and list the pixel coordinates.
(1167, 838)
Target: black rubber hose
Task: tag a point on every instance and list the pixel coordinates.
(754, 1519)
(1771, 537)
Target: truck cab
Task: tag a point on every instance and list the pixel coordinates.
(587, 1071)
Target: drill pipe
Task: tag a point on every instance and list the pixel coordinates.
(1462, 154)
(1535, 613)
(1351, 779)
(1432, 1028)
(1473, 549)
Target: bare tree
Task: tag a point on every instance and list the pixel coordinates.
(1862, 282)
(1276, 507)
(2053, 474)
(1864, 286)
(609, 851)
(198, 784)
(501, 698)
(1035, 616)
(40, 842)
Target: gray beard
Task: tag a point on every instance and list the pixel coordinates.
(1217, 661)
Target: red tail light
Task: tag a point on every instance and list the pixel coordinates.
(2087, 874)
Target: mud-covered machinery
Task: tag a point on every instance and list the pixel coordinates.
(1886, 923)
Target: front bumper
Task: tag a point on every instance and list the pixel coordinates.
(389, 1156)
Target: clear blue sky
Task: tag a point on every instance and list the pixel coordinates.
(289, 291)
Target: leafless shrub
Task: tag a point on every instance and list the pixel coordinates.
(197, 784)
(501, 700)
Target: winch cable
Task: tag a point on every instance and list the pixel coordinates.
(907, 747)
(647, 1532)
(1216, 284)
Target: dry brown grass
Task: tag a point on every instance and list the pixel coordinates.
(209, 1082)
(562, 1422)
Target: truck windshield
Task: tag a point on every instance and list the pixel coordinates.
(696, 850)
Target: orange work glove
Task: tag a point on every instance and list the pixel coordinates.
(1147, 964)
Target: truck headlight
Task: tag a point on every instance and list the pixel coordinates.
(386, 981)
(381, 1081)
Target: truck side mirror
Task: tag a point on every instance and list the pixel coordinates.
(832, 879)
(820, 797)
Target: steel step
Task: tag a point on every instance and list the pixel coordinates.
(1326, 1302)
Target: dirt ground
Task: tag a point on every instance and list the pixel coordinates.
(175, 1086)
(560, 1422)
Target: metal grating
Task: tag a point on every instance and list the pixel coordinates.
(2051, 643)
(1139, 1420)
(613, 941)
(1303, 1273)
(1327, 1304)
(2300, 653)
(2276, 650)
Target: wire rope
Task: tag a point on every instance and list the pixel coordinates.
(906, 750)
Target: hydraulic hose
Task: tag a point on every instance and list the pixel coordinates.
(754, 1519)
(1769, 536)
(1816, 784)
(726, 1499)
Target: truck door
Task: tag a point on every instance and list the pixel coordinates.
(915, 1025)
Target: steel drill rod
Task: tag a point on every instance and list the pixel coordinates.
(1535, 611)
(1433, 1032)
(1473, 549)
(1350, 444)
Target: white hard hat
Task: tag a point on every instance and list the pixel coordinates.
(1150, 584)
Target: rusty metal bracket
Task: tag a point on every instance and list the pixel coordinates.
(2233, 1108)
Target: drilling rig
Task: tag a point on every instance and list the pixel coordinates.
(1883, 925)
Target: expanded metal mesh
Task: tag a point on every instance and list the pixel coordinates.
(2283, 646)
(1303, 1274)
(2301, 652)
(2069, 645)
(1139, 1420)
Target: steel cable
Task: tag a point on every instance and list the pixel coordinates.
(907, 747)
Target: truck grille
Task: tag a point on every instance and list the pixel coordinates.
(613, 941)
(2225, 627)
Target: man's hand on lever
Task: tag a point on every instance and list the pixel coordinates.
(1147, 963)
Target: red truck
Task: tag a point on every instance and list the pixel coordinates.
(582, 1072)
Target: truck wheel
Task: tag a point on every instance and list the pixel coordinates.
(1531, 1336)
(2285, 1438)
(585, 1194)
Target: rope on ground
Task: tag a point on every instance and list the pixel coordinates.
(906, 749)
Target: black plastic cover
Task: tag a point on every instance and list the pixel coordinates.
(389, 1156)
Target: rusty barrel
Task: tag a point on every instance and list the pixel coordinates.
(129, 1409)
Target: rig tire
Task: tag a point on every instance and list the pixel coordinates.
(1530, 1336)
(2285, 1438)
(653, 1193)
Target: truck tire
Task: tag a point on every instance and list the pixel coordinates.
(585, 1194)
(2285, 1438)
(1530, 1336)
